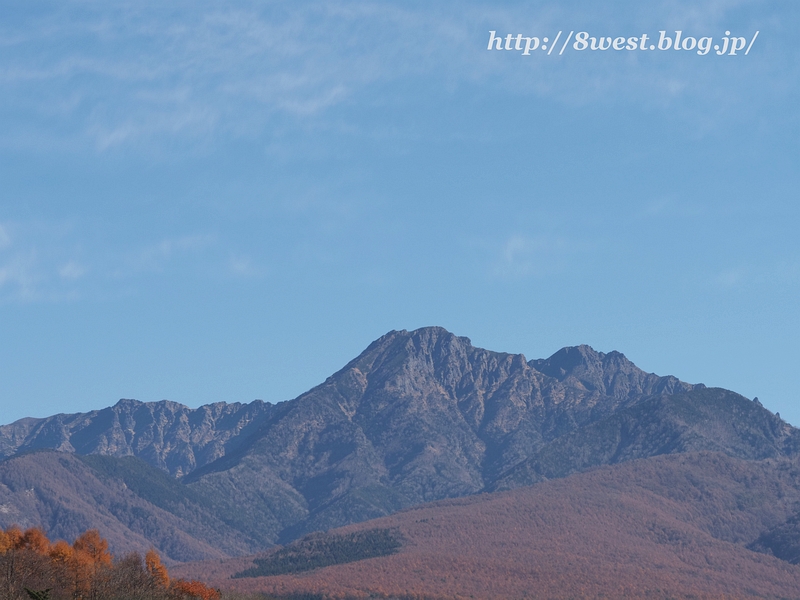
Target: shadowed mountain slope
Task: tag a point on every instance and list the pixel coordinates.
(703, 419)
(782, 540)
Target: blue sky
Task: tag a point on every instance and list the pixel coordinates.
(205, 201)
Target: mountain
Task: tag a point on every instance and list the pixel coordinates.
(419, 416)
(672, 526)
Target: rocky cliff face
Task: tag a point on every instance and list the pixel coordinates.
(418, 416)
(165, 434)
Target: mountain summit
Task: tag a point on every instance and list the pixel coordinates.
(418, 416)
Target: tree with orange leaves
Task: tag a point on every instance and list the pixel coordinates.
(90, 560)
(23, 557)
(10, 541)
(10, 538)
(35, 539)
(90, 543)
(61, 552)
(156, 570)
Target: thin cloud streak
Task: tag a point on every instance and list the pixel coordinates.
(522, 256)
(212, 72)
(54, 262)
(155, 257)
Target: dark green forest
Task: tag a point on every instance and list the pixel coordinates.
(322, 550)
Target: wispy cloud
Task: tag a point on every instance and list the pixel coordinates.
(18, 277)
(53, 262)
(522, 256)
(132, 72)
(34, 262)
(669, 207)
(5, 238)
(754, 274)
(243, 266)
(156, 256)
(730, 278)
(72, 270)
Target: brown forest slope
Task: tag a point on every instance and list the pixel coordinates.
(65, 494)
(665, 527)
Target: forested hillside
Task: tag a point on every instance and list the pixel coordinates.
(674, 526)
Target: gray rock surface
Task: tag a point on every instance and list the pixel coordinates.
(165, 434)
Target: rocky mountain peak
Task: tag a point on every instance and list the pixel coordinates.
(573, 360)
(609, 374)
(427, 347)
(127, 404)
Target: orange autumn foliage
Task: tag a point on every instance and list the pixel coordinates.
(194, 589)
(61, 552)
(5, 542)
(10, 538)
(156, 570)
(91, 544)
(85, 570)
(36, 540)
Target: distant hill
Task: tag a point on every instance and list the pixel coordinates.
(672, 526)
(419, 416)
